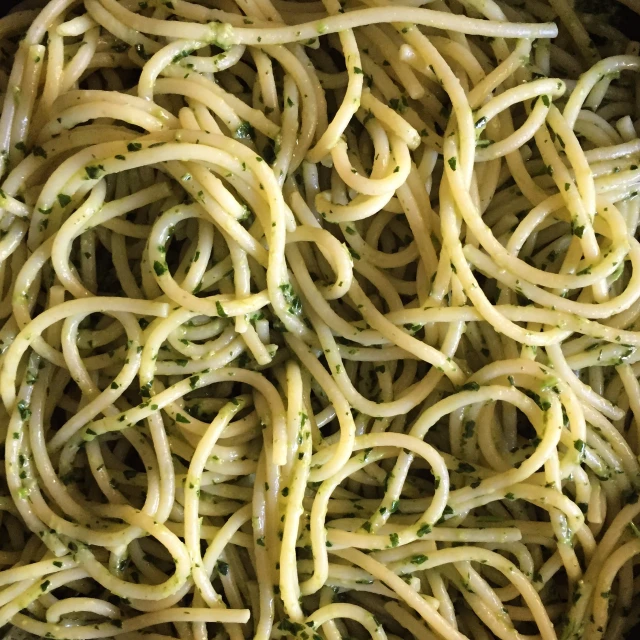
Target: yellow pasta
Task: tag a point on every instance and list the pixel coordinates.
(320, 319)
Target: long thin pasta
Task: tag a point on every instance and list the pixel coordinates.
(319, 319)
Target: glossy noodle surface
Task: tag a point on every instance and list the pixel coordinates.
(320, 320)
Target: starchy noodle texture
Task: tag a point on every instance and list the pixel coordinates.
(320, 319)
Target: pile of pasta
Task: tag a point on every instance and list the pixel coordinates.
(319, 320)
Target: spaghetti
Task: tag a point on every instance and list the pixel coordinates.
(319, 320)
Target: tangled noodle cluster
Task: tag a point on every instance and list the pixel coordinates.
(319, 320)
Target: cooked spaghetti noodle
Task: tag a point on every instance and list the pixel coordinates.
(320, 319)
